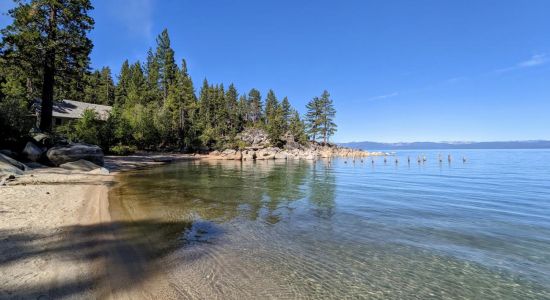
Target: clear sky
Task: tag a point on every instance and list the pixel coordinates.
(426, 70)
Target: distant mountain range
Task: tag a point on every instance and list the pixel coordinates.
(539, 144)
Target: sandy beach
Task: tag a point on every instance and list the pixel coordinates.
(58, 239)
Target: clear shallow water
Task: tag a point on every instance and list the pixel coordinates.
(479, 229)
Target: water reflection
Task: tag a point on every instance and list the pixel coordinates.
(224, 190)
(322, 188)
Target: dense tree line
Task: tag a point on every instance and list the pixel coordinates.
(45, 54)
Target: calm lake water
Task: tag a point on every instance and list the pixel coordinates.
(475, 230)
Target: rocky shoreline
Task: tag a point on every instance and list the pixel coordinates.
(41, 152)
(315, 151)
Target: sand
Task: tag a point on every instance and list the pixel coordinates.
(58, 239)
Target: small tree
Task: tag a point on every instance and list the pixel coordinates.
(297, 128)
(88, 128)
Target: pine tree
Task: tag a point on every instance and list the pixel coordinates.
(167, 64)
(137, 85)
(121, 89)
(328, 112)
(287, 111)
(190, 106)
(232, 108)
(152, 70)
(242, 112)
(106, 87)
(49, 38)
(313, 117)
(297, 127)
(255, 106)
(91, 94)
(276, 128)
(271, 105)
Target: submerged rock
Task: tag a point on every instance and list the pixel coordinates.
(63, 154)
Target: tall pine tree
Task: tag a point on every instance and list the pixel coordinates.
(51, 36)
(254, 106)
(328, 112)
(166, 61)
(313, 118)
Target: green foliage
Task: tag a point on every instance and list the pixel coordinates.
(320, 117)
(155, 105)
(254, 106)
(122, 149)
(99, 87)
(47, 42)
(88, 128)
(276, 127)
(15, 120)
(328, 112)
(297, 128)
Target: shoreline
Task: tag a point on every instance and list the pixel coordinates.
(58, 238)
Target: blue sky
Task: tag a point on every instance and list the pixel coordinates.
(426, 70)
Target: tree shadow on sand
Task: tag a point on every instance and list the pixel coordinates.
(125, 254)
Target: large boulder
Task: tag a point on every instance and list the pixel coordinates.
(8, 153)
(281, 155)
(7, 169)
(8, 160)
(248, 155)
(33, 152)
(267, 153)
(63, 154)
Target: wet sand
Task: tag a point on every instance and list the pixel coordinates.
(58, 239)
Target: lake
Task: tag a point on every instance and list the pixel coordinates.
(302, 229)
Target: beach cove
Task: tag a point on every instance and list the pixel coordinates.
(282, 229)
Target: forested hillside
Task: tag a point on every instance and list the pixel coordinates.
(44, 54)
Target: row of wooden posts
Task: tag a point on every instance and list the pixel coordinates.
(420, 159)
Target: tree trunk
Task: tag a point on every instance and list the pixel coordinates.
(49, 75)
(325, 134)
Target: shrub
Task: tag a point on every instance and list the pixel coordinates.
(122, 150)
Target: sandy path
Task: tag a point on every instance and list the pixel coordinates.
(58, 240)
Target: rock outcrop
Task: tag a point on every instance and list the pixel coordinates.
(312, 152)
(255, 138)
(256, 146)
(63, 154)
